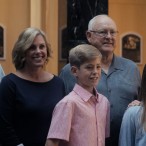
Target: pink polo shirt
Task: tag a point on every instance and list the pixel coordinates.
(81, 119)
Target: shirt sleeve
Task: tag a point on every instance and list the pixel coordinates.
(61, 121)
(128, 128)
(7, 133)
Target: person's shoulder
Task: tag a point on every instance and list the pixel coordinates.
(69, 97)
(66, 74)
(126, 62)
(68, 100)
(133, 111)
(134, 108)
(66, 67)
(59, 82)
(9, 80)
(8, 77)
(56, 78)
(103, 98)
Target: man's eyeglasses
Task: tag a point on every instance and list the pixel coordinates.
(104, 33)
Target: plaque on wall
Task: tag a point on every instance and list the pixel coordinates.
(131, 47)
(79, 13)
(2, 44)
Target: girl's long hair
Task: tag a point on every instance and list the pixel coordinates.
(142, 97)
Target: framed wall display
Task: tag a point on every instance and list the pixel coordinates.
(2, 42)
(62, 43)
(131, 47)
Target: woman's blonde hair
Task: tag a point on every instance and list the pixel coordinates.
(23, 43)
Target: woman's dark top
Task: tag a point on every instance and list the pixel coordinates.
(26, 109)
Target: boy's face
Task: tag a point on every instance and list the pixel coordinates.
(88, 74)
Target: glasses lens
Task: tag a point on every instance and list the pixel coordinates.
(105, 33)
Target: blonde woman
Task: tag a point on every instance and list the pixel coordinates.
(28, 96)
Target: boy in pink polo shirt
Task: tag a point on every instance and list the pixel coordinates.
(82, 117)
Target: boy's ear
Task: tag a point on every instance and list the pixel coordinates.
(74, 70)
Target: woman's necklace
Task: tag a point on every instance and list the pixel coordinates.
(94, 10)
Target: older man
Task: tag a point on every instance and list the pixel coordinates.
(120, 78)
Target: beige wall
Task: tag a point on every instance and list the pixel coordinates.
(62, 23)
(50, 15)
(51, 28)
(130, 17)
(14, 16)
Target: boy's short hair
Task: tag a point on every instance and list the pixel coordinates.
(83, 53)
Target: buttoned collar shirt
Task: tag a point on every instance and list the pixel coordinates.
(81, 119)
(120, 86)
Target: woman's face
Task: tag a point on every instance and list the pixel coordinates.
(36, 55)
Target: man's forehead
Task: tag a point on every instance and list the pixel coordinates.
(104, 23)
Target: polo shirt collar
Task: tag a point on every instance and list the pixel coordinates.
(83, 93)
